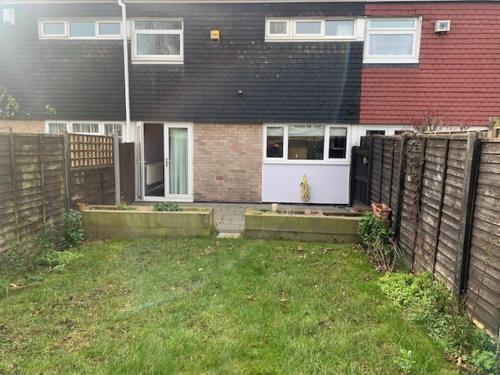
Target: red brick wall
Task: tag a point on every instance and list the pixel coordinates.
(458, 77)
(227, 162)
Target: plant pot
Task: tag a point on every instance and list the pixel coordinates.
(381, 210)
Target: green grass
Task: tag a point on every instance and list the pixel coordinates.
(210, 307)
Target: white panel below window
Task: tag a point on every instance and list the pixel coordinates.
(329, 183)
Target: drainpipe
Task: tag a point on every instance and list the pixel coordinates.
(125, 63)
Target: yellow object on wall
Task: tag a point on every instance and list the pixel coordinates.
(215, 35)
(305, 190)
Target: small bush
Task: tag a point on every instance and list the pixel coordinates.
(57, 260)
(376, 238)
(371, 230)
(166, 206)
(429, 303)
(73, 231)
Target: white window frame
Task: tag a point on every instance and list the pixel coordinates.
(326, 145)
(47, 125)
(82, 37)
(101, 127)
(108, 36)
(67, 31)
(416, 32)
(44, 35)
(278, 36)
(100, 130)
(297, 35)
(157, 59)
(293, 36)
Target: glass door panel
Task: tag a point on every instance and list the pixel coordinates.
(178, 164)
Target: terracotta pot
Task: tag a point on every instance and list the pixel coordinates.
(381, 210)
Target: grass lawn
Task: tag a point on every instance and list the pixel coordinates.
(210, 307)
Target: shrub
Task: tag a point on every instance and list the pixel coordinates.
(73, 231)
(429, 303)
(166, 206)
(57, 260)
(371, 229)
(376, 238)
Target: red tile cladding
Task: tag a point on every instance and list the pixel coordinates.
(458, 75)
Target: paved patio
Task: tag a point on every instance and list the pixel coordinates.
(229, 217)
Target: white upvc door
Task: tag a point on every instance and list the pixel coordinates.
(139, 157)
(176, 182)
(178, 146)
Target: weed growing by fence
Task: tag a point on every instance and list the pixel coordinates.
(73, 231)
(376, 238)
(428, 302)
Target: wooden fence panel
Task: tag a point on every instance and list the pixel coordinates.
(32, 193)
(377, 171)
(451, 207)
(411, 197)
(483, 287)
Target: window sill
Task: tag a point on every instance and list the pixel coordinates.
(307, 162)
(158, 62)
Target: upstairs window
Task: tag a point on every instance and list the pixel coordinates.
(392, 40)
(53, 29)
(313, 29)
(159, 41)
(79, 29)
(82, 29)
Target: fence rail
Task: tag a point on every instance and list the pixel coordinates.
(42, 175)
(444, 192)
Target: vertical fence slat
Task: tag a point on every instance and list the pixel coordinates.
(465, 229)
(441, 202)
(13, 182)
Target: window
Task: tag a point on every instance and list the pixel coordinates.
(338, 143)
(375, 132)
(301, 143)
(57, 127)
(158, 41)
(274, 140)
(85, 127)
(306, 142)
(278, 28)
(80, 29)
(392, 40)
(113, 129)
(105, 28)
(314, 29)
(53, 29)
(307, 28)
(339, 28)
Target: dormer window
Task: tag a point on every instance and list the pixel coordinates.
(314, 29)
(79, 29)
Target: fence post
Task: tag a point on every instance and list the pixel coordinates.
(401, 184)
(352, 173)
(42, 176)
(67, 170)
(13, 181)
(116, 165)
(466, 217)
(368, 199)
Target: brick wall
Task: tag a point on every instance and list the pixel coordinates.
(458, 74)
(227, 162)
(21, 126)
